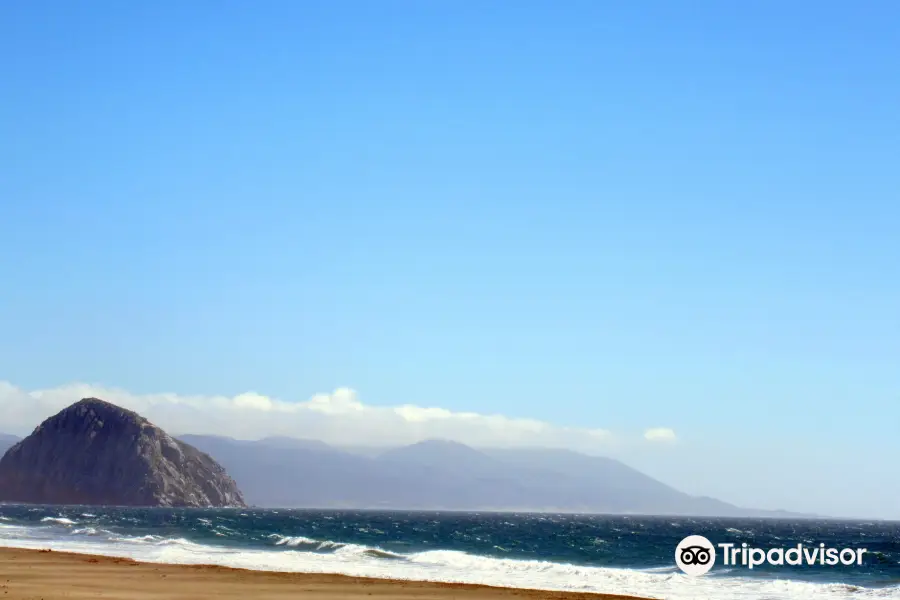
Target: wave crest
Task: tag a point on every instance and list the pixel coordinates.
(59, 520)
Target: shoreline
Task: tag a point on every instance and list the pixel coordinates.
(51, 574)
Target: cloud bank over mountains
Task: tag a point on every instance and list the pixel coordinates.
(337, 418)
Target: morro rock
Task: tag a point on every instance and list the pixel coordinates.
(94, 452)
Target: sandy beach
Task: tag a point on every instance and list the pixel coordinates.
(45, 575)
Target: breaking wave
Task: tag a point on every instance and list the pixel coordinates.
(60, 520)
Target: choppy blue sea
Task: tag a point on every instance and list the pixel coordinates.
(615, 554)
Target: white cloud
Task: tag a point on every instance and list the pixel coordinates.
(660, 434)
(339, 418)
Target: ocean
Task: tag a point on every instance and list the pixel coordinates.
(614, 554)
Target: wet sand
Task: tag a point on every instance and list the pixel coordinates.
(45, 575)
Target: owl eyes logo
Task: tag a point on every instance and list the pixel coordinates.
(695, 555)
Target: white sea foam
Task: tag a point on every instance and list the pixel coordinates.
(137, 539)
(307, 555)
(222, 531)
(299, 540)
(60, 520)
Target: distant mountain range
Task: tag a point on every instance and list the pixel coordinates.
(444, 475)
(6, 442)
(286, 472)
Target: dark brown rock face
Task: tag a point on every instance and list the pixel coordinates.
(94, 452)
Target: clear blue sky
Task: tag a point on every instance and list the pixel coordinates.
(609, 214)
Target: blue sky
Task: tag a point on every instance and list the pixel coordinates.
(593, 214)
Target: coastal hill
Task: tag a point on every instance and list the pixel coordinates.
(94, 452)
(445, 475)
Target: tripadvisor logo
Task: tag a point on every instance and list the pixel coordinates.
(696, 555)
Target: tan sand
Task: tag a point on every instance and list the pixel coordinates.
(45, 575)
